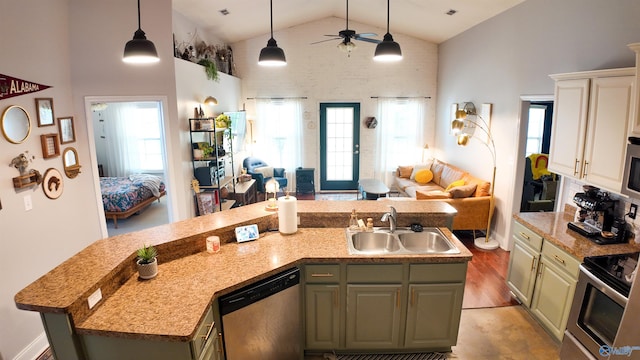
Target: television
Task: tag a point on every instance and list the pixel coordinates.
(238, 129)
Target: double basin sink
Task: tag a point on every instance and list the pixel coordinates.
(403, 241)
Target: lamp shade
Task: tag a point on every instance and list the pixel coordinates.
(211, 101)
(139, 50)
(388, 50)
(272, 55)
(457, 126)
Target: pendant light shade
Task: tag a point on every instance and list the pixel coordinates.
(272, 55)
(139, 50)
(388, 50)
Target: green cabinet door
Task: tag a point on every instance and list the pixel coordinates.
(553, 297)
(373, 316)
(322, 316)
(433, 315)
(521, 278)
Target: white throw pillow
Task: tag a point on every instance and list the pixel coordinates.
(419, 167)
(266, 171)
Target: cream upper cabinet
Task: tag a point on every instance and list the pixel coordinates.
(592, 112)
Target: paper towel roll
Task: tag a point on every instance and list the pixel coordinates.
(287, 215)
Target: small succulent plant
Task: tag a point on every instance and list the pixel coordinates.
(146, 254)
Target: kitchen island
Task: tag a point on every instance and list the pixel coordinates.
(172, 306)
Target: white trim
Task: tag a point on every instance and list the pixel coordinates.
(34, 349)
(170, 179)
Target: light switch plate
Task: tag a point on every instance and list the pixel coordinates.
(28, 205)
(94, 298)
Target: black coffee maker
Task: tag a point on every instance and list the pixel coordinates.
(596, 218)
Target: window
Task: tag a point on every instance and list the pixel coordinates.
(145, 134)
(535, 131)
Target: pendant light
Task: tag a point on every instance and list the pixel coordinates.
(272, 55)
(388, 50)
(139, 50)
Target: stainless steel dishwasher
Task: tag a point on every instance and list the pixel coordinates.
(262, 320)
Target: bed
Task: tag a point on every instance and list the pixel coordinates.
(125, 196)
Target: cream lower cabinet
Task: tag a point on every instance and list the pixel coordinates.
(555, 287)
(592, 112)
(543, 277)
(203, 346)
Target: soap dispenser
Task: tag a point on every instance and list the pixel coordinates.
(353, 221)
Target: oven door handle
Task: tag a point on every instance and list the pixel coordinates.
(603, 287)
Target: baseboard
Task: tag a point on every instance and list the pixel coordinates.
(34, 349)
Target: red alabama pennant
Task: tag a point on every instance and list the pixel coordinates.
(10, 87)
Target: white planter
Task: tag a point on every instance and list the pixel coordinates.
(148, 271)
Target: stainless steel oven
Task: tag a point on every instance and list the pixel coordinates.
(600, 299)
(631, 177)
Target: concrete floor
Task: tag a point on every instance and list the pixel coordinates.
(499, 333)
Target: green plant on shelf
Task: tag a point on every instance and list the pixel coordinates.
(210, 68)
(207, 149)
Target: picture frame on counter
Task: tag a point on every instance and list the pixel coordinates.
(207, 201)
(66, 129)
(44, 107)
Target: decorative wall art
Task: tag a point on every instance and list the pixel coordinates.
(52, 183)
(67, 132)
(11, 86)
(50, 146)
(44, 106)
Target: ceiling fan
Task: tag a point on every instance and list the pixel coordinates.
(347, 34)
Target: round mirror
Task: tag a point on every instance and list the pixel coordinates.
(70, 162)
(16, 124)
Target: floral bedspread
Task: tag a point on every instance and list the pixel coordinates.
(120, 194)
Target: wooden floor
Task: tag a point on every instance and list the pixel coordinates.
(486, 285)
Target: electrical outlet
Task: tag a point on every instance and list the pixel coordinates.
(633, 210)
(94, 298)
(28, 205)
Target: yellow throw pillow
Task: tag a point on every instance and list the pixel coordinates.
(424, 176)
(454, 184)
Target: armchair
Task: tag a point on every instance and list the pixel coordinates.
(262, 172)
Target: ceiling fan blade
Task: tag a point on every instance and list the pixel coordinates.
(321, 41)
(367, 34)
(334, 35)
(374, 41)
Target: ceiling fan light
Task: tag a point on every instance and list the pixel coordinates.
(272, 55)
(346, 46)
(388, 50)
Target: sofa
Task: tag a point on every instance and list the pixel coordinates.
(262, 173)
(439, 181)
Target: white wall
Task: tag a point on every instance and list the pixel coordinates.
(512, 55)
(323, 73)
(33, 242)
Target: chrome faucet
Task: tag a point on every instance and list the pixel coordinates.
(391, 217)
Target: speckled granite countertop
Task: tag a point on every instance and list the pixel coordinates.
(552, 226)
(170, 306)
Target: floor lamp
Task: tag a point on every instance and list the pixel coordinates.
(457, 127)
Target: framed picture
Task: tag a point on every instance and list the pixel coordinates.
(50, 146)
(67, 132)
(44, 107)
(52, 183)
(207, 201)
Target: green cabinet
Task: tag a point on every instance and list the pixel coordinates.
(543, 277)
(322, 306)
(203, 346)
(373, 316)
(433, 315)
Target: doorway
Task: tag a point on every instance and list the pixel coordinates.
(339, 146)
(539, 185)
(136, 126)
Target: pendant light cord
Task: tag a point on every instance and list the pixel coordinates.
(387, 16)
(270, 14)
(139, 28)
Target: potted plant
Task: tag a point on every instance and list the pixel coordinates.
(147, 262)
(207, 150)
(210, 68)
(223, 121)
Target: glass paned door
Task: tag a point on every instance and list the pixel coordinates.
(339, 146)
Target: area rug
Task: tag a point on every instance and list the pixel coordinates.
(415, 356)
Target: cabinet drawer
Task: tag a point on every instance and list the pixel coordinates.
(374, 274)
(561, 259)
(527, 236)
(206, 330)
(322, 273)
(437, 273)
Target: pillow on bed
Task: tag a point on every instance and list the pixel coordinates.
(266, 171)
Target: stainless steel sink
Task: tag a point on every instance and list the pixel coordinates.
(403, 241)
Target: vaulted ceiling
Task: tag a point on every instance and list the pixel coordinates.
(422, 19)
